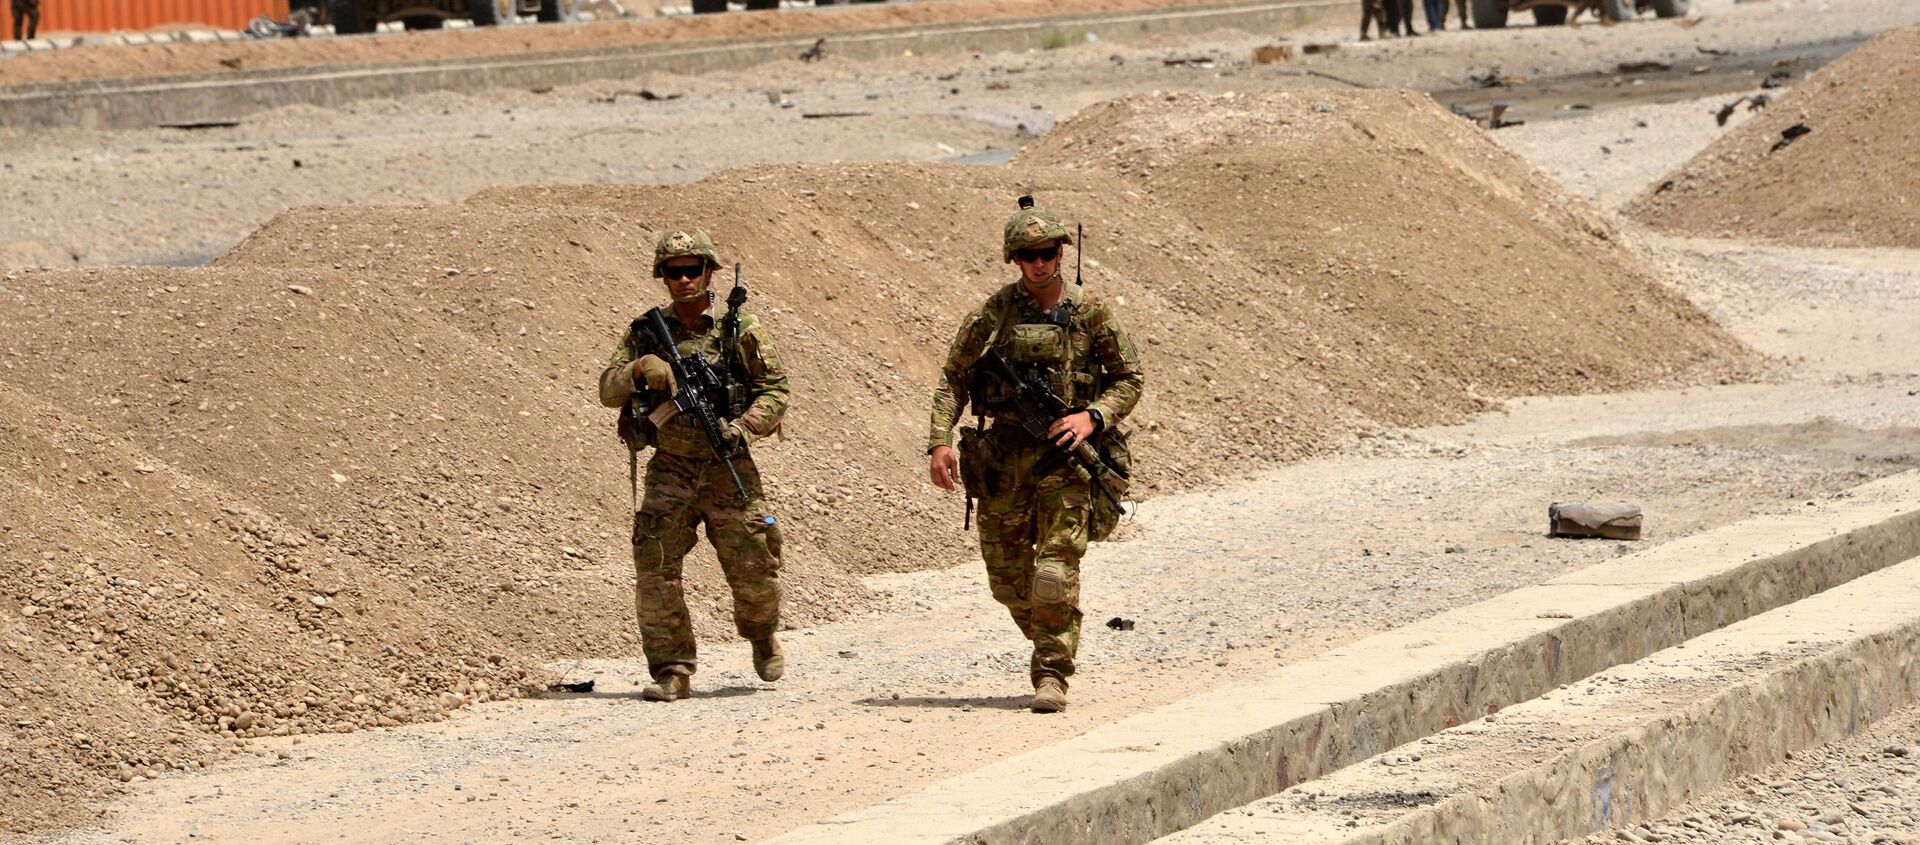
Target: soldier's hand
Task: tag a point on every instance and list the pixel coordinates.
(945, 468)
(653, 373)
(1067, 432)
(735, 435)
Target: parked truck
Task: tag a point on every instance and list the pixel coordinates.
(1492, 14)
(349, 17)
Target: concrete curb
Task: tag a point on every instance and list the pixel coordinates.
(131, 103)
(1162, 771)
(1750, 695)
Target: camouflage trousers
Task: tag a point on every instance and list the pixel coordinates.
(1033, 532)
(681, 493)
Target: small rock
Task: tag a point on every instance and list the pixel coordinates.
(318, 601)
(1896, 750)
(1456, 550)
(303, 290)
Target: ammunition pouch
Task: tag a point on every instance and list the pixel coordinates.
(979, 463)
(633, 428)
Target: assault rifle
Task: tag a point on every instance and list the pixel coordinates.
(1039, 408)
(694, 386)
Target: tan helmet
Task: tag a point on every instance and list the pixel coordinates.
(679, 243)
(1031, 225)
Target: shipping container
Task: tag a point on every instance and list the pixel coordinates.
(137, 15)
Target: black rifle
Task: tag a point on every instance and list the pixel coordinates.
(730, 338)
(1038, 408)
(694, 387)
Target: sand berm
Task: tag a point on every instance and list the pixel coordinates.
(1849, 176)
(354, 474)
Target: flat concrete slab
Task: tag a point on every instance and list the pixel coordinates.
(1628, 744)
(1162, 771)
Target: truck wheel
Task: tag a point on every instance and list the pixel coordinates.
(708, 7)
(345, 16)
(484, 13)
(551, 11)
(1549, 15)
(1618, 11)
(1671, 8)
(413, 22)
(762, 5)
(1489, 14)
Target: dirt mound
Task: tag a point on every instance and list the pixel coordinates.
(1849, 181)
(1413, 266)
(354, 473)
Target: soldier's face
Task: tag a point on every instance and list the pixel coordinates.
(1038, 262)
(686, 278)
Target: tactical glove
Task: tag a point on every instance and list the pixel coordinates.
(651, 372)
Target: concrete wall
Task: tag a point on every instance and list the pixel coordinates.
(1163, 771)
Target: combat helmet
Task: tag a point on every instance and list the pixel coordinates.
(679, 243)
(1031, 225)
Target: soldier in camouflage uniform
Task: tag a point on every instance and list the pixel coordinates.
(685, 483)
(1034, 512)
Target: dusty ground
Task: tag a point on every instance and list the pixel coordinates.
(1221, 582)
(165, 196)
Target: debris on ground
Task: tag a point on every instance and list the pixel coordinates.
(1269, 54)
(1753, 102)
(1789, 135)
(1607, 520)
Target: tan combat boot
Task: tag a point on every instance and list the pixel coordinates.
(1049, 695)
(671, 686)
(768, 661)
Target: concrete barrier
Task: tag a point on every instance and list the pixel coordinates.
(131, 103)
(1162, 771)
(1629, 746)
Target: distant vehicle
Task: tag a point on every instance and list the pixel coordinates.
(1492, 14)
(350, 17)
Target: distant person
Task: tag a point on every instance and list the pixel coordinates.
(1372, 15)
(1466, 21)
(1399, 15)
(1436, 14)
(686, 482)
(26, 14)
(1038, 508)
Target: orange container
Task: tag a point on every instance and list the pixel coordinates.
(136, 15)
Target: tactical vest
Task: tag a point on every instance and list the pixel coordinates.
(682, 435)
(1057, 347)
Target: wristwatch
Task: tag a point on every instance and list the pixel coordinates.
(1099, 422)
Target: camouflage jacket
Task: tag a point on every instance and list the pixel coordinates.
(1099, 366)
(760, 369)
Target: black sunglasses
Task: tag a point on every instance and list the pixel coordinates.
(682, 272)
(1038, 253)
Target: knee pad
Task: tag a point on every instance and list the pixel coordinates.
(1050, 582)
